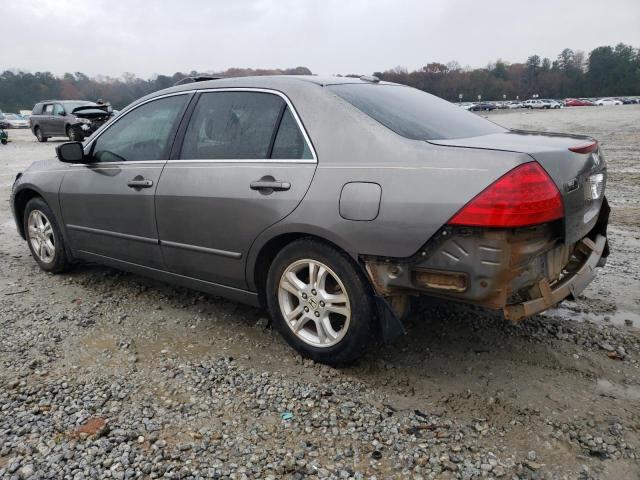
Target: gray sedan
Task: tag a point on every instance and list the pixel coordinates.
(329, 201)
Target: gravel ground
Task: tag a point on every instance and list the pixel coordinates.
(104, 374)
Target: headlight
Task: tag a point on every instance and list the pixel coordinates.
(83, 120)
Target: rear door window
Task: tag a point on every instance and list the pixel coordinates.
(48, 109)
(232, 126)
(289, 143)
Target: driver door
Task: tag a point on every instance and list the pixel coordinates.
(108, 204)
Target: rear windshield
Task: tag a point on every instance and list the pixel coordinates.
(413, 113)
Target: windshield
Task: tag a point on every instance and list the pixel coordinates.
(413, 113)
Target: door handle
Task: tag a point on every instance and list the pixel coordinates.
(268, 184)
(139, 182)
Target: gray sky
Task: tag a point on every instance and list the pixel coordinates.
(328, 36)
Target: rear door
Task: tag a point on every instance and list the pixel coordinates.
(108, 204)
(58, 120)
(45, 120)
(244, 164)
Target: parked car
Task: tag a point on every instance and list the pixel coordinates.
(554, 104)
(629, 100)
(4, 137)
(465, 105)
(3, 122)
(75, 119)
(483, 106)
(329, 201)
(538, 103)
(513, 104)
(12, 120)
(604, 102)
(577, 102)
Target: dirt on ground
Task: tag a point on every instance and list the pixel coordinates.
(105, 374)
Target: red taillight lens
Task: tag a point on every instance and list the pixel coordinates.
(587, 147)
(524, 196)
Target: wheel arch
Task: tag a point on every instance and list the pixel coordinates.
(265, 249)
(20, 201)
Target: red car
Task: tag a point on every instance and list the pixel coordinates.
(576, 102)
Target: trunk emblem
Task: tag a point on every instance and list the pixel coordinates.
(571, 185)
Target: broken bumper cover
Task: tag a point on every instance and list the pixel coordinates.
(572, 285)
(521, 271)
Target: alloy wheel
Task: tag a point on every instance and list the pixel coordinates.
(314, 303)
(41, 236)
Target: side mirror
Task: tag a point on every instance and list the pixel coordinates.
(70, 152)
(62, 113)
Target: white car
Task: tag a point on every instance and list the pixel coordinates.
(554, 103)
(538, 103)
(14, 121)
(604, 102)
(513, 104)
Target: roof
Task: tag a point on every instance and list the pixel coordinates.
(64, 101)
(268, 81)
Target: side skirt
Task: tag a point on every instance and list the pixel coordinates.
(235, 294)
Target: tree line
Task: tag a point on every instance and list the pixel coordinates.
(22, 90)
(605, 71)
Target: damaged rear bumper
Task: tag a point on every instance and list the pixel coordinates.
(520, 271)
(571, 285)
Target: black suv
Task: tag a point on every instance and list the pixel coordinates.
(75, 119)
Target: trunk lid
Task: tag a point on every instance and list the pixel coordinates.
(580, 177)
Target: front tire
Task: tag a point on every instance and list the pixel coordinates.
(320, 302)
(44, 236)
(74, 134)
(41, 138)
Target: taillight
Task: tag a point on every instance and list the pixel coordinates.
(586, 147)
(524, 196)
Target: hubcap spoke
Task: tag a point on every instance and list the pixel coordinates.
(328, 332)
(340, 310)
(322, 278)
(295, 281)
(300, 323)
(294, 314)
(49, 246)
(313, 272)
(338, 298)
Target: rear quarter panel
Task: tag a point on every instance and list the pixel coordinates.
(423, 185)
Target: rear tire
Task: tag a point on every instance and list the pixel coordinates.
(320, 302)
(44, 236)
(41, 138)
(4, 141)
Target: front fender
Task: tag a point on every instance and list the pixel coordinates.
(42, 178)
